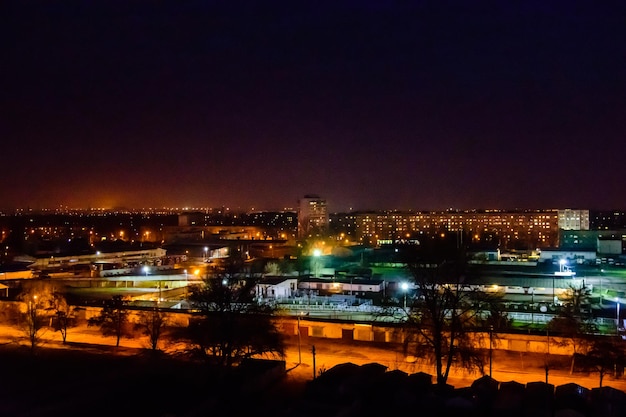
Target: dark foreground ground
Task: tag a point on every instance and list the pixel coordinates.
(94, 381)
(75, 382)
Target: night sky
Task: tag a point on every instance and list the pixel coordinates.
(421, 105)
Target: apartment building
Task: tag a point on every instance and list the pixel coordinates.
(507, 229)
(312, 216)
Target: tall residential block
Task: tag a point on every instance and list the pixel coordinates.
(312, 216)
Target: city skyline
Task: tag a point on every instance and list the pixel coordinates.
(373, 106)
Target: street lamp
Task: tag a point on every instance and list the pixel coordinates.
(532, 305)
(617, 315)
(490, 349)
(405, 288)
(601, 273)
(299, 342)
(316, 255)
(186, 283)
(146, 270)
(206, 249)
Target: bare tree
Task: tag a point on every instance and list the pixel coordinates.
(574, 323)
(231, 325)
(113, 318)
(272, 268)
(36, 295)
(604, 356)
(152, 323)
(34, 320)
(64, 313)
(441, 319)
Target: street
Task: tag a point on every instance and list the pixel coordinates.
(506, 366)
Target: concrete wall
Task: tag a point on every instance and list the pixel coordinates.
(362, 332)
(377, 333)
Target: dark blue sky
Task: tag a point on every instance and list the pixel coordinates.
(373, 105)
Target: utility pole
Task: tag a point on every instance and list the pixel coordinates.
(546, 364)
(490, 349)
(617, 315)
(532, 306)
(313, 351)
(299, 342)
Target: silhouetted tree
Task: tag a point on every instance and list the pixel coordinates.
(493, 314)
(152, 323)
(64, 313)
(441, 319)
(272, 268)
(230, 324)
(113, 318)
(574, 323)
(604, 356)
(37, 296)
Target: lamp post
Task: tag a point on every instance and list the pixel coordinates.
(617, 315)
(186, 283)
(601, 273)
(490, 349)
(299, 342)
(532, 305)
(561, 269)
(405, 288)
(313, 352)
(316, 256)
(546, 363)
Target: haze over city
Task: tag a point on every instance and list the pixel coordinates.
(373, 105)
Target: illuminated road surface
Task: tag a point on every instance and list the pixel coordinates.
(507, 366)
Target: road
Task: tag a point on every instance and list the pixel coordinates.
(506, 366)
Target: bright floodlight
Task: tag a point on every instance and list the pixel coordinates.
(317, 252)
(562, 261)
(146, 269)
(404, 286)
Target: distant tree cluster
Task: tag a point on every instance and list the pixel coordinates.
(446, 322)
(227, 326)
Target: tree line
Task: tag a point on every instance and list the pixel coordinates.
(441, 324)
(444, 319)
(227, 324)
